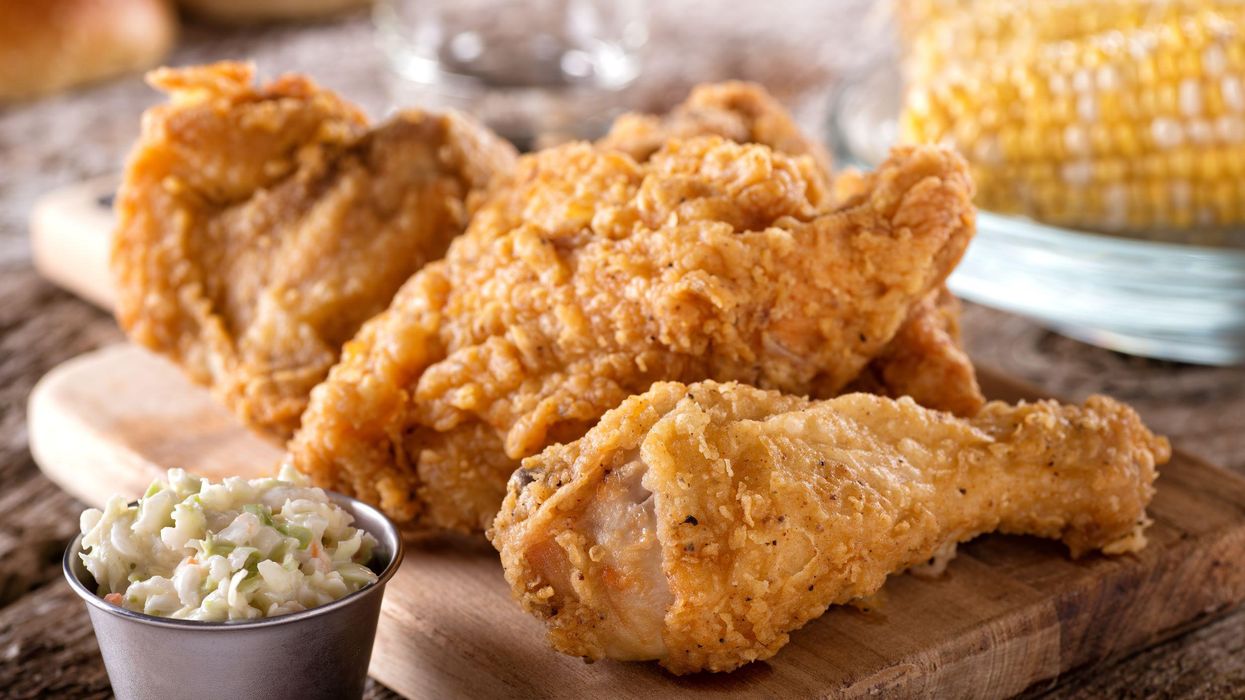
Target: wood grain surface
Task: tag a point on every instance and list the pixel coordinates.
(46, 649)
(1009, 612)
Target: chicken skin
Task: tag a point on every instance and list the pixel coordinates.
(594, 276)
(260, 227)
(925, 360)
(699, 525)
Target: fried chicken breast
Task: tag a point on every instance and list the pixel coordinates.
(699, 525)
(593, 277)
(259, 227)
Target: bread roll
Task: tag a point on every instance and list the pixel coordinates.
(50, 45)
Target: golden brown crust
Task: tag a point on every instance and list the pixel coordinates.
(737, 111)
(593, 276)
(259, 227)
(770, 507)
(926, 361)
(49, 45)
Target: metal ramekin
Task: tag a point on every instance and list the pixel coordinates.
(318, 653)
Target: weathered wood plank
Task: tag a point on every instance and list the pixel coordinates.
(40, 326)
(39, 520)
(47, 647)
(1203, 663)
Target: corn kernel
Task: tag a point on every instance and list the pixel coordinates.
(1118, 113)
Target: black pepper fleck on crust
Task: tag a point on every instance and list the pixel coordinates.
(523, 477)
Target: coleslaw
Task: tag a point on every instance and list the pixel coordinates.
(236, 550)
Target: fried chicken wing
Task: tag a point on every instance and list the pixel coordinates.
(925, 360)
(595, 276)
(699, 525)
(259, 227)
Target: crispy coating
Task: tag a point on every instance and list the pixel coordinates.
(926, 358)
(259, 227)
(594, 276)
(735, 110)
(849, 183)
(926, 361)
(699, 525)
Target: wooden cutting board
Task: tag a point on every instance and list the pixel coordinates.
(1009, 613)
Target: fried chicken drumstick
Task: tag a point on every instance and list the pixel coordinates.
(260, 227)
(595, 276)
(699, 525)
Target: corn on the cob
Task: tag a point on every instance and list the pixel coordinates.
(1118, 115)
(939, 33)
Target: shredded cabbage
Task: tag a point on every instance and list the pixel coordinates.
(237, 550)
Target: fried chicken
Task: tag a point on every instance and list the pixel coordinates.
(699, 525)
(737, 111)
(926, 359)
(259, 227)
(594, 276)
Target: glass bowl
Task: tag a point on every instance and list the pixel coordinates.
(1155, 299)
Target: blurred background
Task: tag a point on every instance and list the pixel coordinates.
(1107, 138)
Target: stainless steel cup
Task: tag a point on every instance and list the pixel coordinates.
(318, 653)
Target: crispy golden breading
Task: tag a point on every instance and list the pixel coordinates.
(926, 358)
(926, 361)
(736, 111)
(699, 525)
(259, 227)
(849, 183)
(594, 276)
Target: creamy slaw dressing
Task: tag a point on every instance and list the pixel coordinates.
(235, 550)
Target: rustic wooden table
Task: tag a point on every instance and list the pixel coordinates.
(47, 648)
